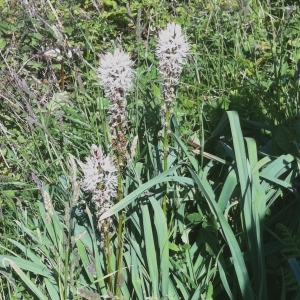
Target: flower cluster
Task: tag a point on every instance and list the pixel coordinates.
(100, 179)
(171, 51)
(115, 75)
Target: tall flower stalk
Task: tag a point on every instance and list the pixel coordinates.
(100, 179)
(171, 51)
(115, 76)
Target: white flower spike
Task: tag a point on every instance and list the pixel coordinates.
(172, 50)
(115, 73)
(100, 179)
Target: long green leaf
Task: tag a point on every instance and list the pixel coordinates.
(135, 275)
(163, 241)
(224, 278)
(238, 260)
(144, 187)
(27, 265)
(249, 194)
(29, 254)
(150, 251)
(25, 279)
(258, 202)
(227, 190)
(52, 290)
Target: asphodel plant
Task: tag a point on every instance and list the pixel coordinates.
(171, 51)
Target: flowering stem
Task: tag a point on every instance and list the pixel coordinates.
(115, 75)
(67, 250)
(100, 179)
(120, 229)
(166, 152)
(108, 257)
(171, 51)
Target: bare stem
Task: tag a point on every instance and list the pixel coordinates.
(120, 230)
(166, 153)
(108, 257)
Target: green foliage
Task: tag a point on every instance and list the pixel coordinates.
(289, 251)
(228, 185)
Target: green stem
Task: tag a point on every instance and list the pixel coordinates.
(67, 251)
(108, 257)
(166, 152)
(120, 230)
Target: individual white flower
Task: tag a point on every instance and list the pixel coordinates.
(115, 73)
(172, 50)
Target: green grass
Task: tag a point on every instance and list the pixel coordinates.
(231, 225)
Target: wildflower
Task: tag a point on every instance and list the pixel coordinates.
(115, 75)
(100, 180)
(171, 51)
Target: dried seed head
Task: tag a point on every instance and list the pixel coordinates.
(48, 205)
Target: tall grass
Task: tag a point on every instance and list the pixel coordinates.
(211, 214)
